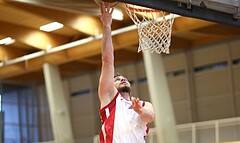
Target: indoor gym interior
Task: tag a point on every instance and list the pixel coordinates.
(202, 69)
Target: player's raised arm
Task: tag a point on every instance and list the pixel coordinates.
(106, 88)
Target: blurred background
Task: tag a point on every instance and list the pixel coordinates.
(203, 71)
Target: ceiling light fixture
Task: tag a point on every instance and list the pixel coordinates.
(117, 14)
(7, 41)
(51, 26)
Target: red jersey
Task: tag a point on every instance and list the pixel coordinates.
(120, 123)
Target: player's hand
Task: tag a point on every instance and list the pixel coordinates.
(136, 105)
(106, 14)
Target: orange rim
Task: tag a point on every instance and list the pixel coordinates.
(132, 8)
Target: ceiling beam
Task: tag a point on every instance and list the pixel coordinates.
(86, 24)
(178, 43)
(75, 53)
(29, 78)
(220, 29)
(8, 52)
(57, 57)
(11, 70)
(91, 61)
(184, 24)
(35, 38)
(24, 18)
(121, 41)
(209, 40)
(132, 48)
(77, 67)
(124, 56)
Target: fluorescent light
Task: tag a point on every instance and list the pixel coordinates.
(117, 14)
(51, 26)
(7, 41)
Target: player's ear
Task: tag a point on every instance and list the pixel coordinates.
(131, 82)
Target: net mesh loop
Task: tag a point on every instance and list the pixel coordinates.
(154, 28)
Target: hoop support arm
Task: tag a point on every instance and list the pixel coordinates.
(196, 11)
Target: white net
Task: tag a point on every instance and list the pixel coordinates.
(154, 28)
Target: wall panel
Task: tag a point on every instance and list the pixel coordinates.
(174, 62)
(235, 49)
(178, 92)
(210, 54)
(215, 107)
(212, 82)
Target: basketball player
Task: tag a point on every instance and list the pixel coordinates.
(124, 119)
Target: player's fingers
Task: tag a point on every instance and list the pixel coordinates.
(137, 101)
(102, 7)
(133, 101)
(111, 11)
(108, 7)
(132, 98)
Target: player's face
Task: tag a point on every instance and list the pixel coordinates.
(122, 84)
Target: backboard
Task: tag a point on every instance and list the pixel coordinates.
(219, 11)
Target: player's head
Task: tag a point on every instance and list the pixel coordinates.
(122, 83)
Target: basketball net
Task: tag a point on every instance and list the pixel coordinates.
(154, 28)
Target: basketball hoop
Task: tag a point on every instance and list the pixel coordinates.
(154, 28)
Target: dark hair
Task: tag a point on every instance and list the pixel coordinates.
(117, 74)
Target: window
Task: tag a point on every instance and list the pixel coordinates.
(236, 62)
(81, 92)
(175, 73)
(211, 66)
(20, 114)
